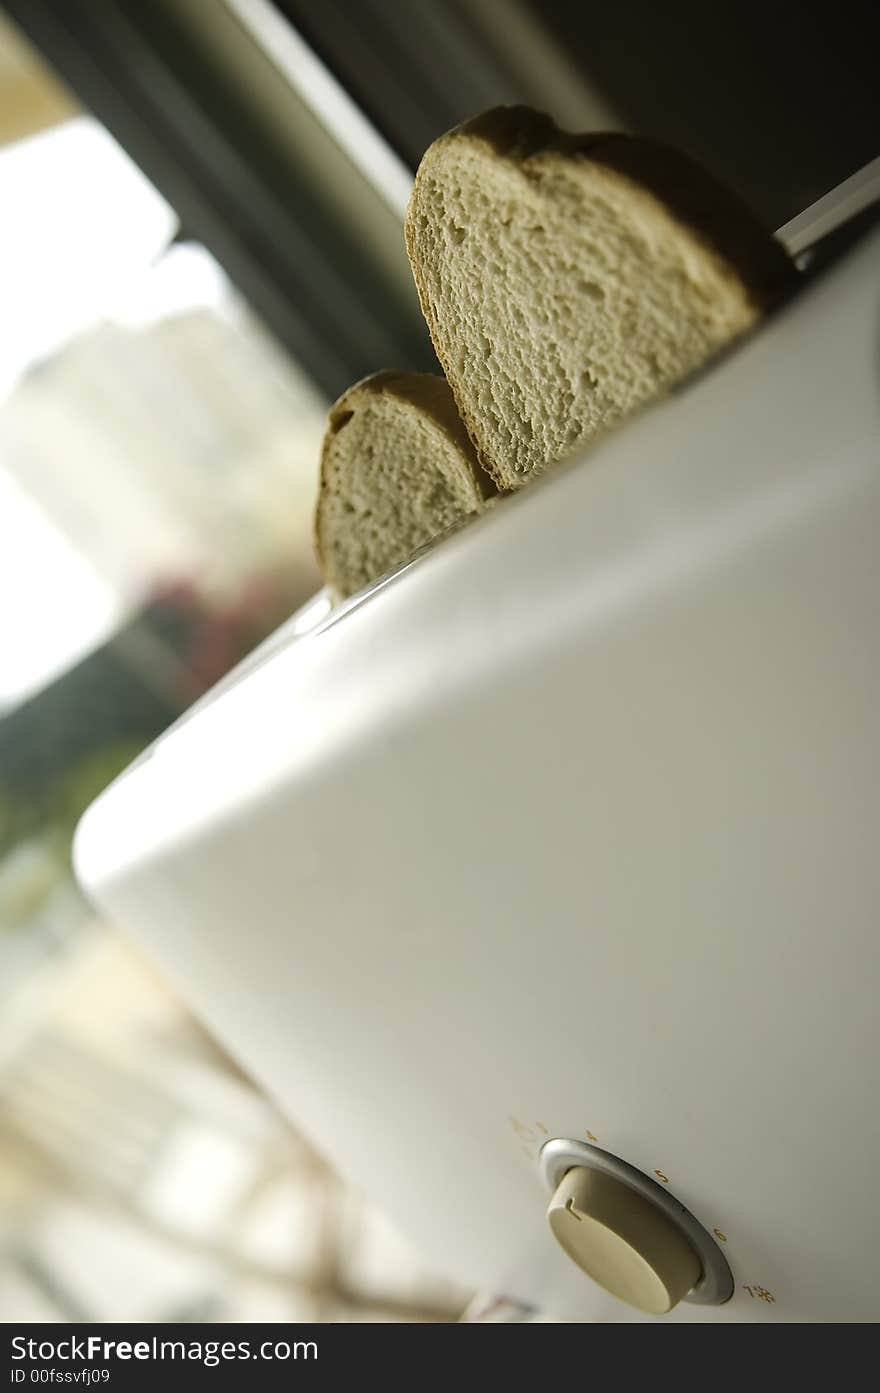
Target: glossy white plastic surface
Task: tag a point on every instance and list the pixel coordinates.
(572, 828)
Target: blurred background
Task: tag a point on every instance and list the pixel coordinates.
(201, 247)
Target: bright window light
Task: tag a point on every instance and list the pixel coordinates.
(55, 607)
(81, 237)
(80, 222)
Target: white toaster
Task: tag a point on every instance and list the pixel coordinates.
(549, 869)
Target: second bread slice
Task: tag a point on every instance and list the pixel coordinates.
(397, 469)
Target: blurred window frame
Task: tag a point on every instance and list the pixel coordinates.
(251, 171)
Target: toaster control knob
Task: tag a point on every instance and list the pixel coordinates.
(622, 1240)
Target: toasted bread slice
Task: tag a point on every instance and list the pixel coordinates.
(397, 469)
(566, 279)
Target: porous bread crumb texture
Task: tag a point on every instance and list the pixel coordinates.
(393, 477)
(559, 295)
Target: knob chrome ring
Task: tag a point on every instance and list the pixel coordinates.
(716, 1284)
